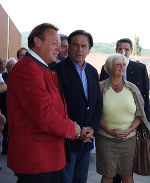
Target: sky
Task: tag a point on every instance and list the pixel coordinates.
(106, 20)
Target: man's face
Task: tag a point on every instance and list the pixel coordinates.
(48, 48)
(124, 47)
(79, 48)
(22, 53)
(64, 50)
(10, 65)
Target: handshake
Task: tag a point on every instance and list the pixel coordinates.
(85, 135)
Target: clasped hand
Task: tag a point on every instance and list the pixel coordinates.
(120, 134)
(86, 134)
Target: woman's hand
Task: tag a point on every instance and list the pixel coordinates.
(120, 134)
(115, 132)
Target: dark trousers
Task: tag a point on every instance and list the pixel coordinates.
(117, 179)
(50, 177)
(77, 170)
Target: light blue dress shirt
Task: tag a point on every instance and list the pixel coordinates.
(82, 74)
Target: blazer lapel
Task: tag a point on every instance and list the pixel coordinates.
(130, 71)
(90, 88)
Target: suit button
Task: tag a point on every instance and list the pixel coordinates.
(87, 108)
(53, 73)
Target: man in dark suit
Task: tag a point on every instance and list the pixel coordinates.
(135, 73)
(84, 103)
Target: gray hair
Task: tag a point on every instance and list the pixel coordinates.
(10, 60)
(114, 59)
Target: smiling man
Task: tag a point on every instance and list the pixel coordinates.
(84, 105)
(38, 122)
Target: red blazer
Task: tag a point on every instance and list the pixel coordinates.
(37, 124)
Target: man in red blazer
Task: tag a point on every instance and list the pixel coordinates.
(37, 119)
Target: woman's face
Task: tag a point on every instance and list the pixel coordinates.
(2, 66)
(118, 69)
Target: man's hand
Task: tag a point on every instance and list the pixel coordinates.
(77, 131)
(87, 134)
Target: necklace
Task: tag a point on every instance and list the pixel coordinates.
(116, 86)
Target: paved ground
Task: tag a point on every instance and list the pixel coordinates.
(6, 175)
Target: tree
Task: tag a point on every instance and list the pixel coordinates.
(137, 48)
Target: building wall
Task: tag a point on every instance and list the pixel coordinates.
(3, 32)
(14, 39)
(10, 37)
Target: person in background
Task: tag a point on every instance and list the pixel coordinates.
(9, 65)
(3, 90)
(64, 48)
(84, 103)
(38, 123)
(123, 111)
(136, 73)
(3, 106)
(21, 52)
(3, 86)
(2, 123)
(2, 65)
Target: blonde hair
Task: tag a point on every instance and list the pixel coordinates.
(114, 59)
(2, 60)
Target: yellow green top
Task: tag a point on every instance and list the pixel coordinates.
(119, 110)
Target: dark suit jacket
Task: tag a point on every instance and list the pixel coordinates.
(85, 113)
(136, 74)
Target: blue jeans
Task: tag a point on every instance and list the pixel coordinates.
(77, 170)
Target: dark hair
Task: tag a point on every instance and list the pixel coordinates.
(124, 40)
(81, 32)
(39, 31)
(18, 52)
(63, 36)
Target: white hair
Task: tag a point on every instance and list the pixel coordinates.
(114, 59)
(10, 59)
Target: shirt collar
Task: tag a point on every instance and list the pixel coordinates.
(127, 62)
(31, 52)
(77, 65)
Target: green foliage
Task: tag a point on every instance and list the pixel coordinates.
(137, 49)
(104, 48)
(24, 40)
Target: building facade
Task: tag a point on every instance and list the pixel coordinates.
(10, 37)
